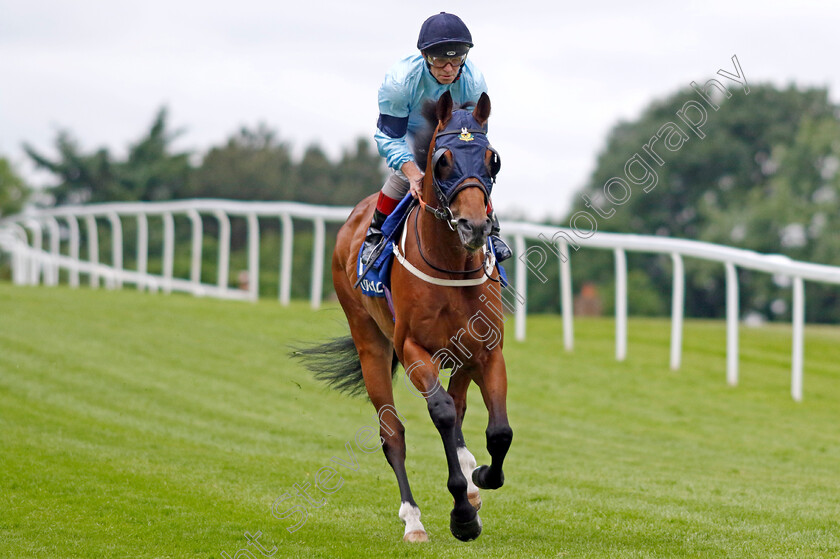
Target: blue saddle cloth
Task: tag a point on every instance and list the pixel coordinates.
(378, 277)
(377, 280)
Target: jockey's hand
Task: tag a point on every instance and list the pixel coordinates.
(416, 188)
(414, 176)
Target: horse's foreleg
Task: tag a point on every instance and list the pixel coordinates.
(458, 384)
(493, 385)
(464, 522)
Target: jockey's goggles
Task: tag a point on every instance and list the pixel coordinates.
(442, 61)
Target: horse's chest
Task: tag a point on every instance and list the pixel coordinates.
(462, 333)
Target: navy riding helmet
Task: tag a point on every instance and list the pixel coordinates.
(444, 28)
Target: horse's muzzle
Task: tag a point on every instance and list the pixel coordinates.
(473, 233)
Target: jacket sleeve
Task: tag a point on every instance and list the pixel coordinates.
(392, 126)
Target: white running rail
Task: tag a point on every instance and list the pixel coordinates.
(23, 236)
(33, 262)
(555, 240)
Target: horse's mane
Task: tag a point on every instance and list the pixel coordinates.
(423, 137)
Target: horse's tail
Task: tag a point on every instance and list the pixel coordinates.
(336, 362)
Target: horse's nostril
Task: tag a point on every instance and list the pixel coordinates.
(472, 226)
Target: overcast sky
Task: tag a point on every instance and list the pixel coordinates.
(559, 75)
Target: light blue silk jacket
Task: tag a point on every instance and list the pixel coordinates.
(407, 85)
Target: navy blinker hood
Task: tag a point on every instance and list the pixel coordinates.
(467, 141)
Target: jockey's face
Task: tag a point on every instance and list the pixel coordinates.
(446, 74)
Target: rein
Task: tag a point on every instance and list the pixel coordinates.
(444, 214)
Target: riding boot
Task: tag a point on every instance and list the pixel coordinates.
(373, 236)
(500, 247)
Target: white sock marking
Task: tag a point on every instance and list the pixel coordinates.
(467, 461)
(411, 516)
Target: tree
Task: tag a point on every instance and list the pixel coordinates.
(13, 190)
(357, 174)
(252, 165)
(762, 177)
(150, 172)
(794, 212)
(360, 173)
(317, 176)
(255, 165)
(728, 162)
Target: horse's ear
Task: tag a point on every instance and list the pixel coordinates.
(443, 111)
(482, 109)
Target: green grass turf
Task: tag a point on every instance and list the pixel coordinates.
(136, 425)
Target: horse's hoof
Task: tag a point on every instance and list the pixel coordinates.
(416, 536)
(479, 478)
(465, 531)
(475, 500)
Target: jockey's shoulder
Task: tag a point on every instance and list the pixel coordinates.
(406, 69)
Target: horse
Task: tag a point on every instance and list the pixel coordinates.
(446, 316)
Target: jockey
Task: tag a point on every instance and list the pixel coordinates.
(441, 65)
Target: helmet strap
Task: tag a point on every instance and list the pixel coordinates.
(460, 70)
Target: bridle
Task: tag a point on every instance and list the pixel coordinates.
(444, 211)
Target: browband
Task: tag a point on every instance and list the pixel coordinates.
(461, 131)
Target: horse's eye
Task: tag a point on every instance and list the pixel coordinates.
(443, 167)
